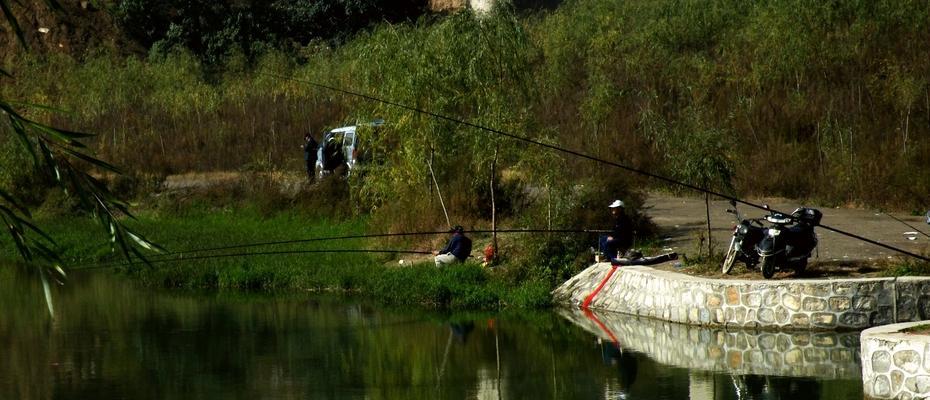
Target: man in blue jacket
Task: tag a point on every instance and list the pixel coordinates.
(457, 250)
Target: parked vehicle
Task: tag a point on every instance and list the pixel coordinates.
(747, 233)
(789, 242)
(339, 150)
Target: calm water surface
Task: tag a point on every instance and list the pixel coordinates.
(115, 341)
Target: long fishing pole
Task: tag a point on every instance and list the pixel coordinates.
(345, 237)
(581, 155)
(249, 254)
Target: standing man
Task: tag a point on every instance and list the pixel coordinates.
(620, 238)
(457, 250)
(310, 155)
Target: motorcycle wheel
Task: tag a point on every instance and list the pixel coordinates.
(768, 267)
(800, 267)
(730, 258)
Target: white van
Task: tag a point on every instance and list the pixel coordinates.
(338, 148)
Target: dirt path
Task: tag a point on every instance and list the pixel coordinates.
(681, 218)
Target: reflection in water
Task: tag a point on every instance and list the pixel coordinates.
(801, 354)
(116, 341)
(755, 365)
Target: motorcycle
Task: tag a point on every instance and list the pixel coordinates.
(789, 242)
(747, 233)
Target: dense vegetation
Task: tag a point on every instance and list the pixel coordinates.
(823, 101)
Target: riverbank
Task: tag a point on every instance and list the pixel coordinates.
(375, 275)
(785, 304)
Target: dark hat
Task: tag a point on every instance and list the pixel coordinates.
(458, 229)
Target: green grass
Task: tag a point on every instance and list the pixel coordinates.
(466, 286)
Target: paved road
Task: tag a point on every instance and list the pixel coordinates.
(681, 219)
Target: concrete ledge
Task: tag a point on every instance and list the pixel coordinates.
(832, 355)
(817, 304)
(895, 364)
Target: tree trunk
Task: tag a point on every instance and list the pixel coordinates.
(710, 243)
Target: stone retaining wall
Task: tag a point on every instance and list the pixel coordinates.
(895, 364)
(832, 355)
(819, 304)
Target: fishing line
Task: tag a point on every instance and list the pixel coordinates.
(250, 254)
(581, 155)
(346, 237)
(907, 224)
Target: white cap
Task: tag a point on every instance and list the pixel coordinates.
(615, 204)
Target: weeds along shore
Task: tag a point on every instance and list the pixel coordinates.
(192, 221)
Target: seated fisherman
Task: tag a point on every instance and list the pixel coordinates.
(620, 238)
(457, 250)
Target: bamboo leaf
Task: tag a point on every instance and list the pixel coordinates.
(92, 160)
(50, 160)
(24, 138)
(6, 74)
(63, 136)
(48, 293)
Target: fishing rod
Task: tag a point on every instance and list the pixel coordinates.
(248, 254)
(346, 237)
(581, 155)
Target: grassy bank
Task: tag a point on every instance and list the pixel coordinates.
(375, 276)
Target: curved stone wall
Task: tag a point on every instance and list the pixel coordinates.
(896, 364)
(818, 304)
(737, 351)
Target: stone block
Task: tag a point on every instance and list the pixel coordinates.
(818, 290)
(734, 359)
(767, 341)
(927, 358)
(754, 357)
(812, 304)
(752, 300)
(923, 384)
(881, 387)
(863, 303)
(751, 316)
(824, 319)
(732, 294)
(740, 315)
(923, 307)
(800, 320)
(816, 355)
(907, 360)
(781, 315)
(839, 303)
(907, 308)
(842, 288)
(881, 361)
(792, 302)
(824, 340)
(897, 381)
(782, 343)
(766, 316)
(800, 339)
(841, 355)
(714, 300)
(794, 357)
(854, 320)
(883, 316)
(770, 298)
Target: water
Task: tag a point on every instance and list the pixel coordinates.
(113, 340)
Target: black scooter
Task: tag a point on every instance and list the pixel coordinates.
(789, 241)
(746, 235)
